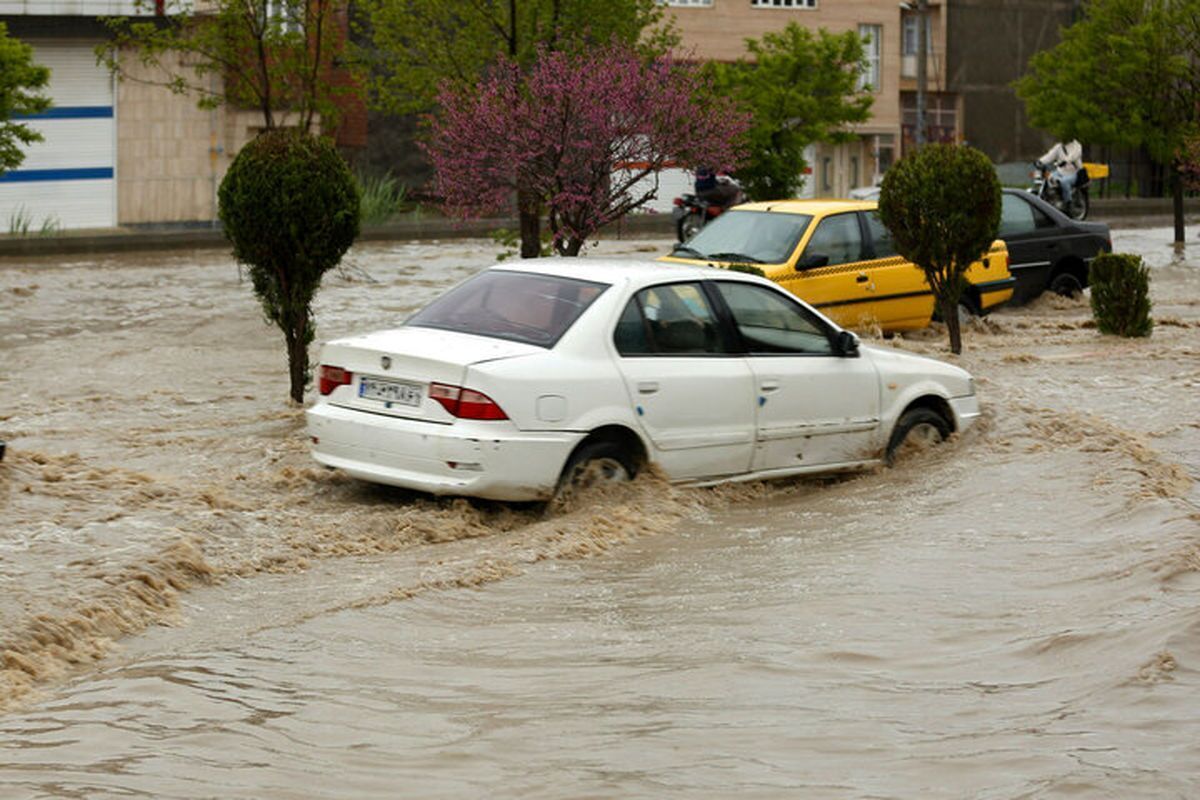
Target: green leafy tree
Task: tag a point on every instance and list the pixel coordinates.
(290, 207)
(800, 87)
(942, 206)
(277, 57)
(417, 48)
(20, 82)
(1127, 73)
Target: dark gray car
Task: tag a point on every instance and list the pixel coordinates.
(1046, 248)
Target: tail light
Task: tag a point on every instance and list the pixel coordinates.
(678, 201)
(713, 211)
(465, 403)
(329, 378)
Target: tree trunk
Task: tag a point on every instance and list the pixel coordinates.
(297, 350)
(949, 310)
(572, 245)
(1177, 202)
(531, 225)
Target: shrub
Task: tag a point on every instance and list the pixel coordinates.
(1121, 294)
(942, 206)
(382, 198)
(290, 207)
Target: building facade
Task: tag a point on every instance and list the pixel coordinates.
(718, 29)
(125, 152)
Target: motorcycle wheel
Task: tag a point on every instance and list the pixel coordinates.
(689, 226)
(1078, 207)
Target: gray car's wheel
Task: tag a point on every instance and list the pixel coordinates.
(917, 430)
(1066, 284)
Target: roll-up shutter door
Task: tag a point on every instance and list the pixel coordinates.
(68, 180)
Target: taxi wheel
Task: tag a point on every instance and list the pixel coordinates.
(917, 430)
(596, 464)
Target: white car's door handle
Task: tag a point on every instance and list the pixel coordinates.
(770, 386)
(647, 387)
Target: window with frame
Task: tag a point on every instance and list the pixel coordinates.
(909, 46)
(685, 3)
(837, 237)
(771, 324)
(882, 245)
(783, 3)
(286, 15)
(870, 77)
(670, 320)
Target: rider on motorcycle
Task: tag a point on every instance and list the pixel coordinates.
(1066, 160)
(719, 190)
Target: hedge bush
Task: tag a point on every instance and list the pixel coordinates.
(290, 207)
(1121, 294)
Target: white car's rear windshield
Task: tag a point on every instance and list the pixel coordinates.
(519, 306)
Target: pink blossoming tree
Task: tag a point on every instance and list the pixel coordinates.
(574, 137)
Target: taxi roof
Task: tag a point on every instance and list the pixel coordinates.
(815, 207)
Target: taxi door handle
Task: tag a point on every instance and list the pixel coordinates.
(647, 387)
(862, 277)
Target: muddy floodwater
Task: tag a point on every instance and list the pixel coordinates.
(190, 608)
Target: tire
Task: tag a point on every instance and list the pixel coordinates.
(1078, 207)
(689, 226)
(1066, 284)
(917, 429)
(596, 463)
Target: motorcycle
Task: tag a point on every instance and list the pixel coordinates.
(691, 213)
(1045, 186)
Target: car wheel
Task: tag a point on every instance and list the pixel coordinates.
(1066, 284)
(917, 430)
(595, 464)
(689, 226)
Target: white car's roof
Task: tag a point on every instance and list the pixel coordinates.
(613, 270)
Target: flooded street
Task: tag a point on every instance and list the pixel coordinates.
(189, 607)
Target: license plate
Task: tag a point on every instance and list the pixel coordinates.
(406, 394)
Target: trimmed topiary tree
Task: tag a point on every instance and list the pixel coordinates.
(942, 206)
(1121, 294)
(290, 207)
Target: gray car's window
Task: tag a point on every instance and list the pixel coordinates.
(1016, 216)
(523, 307)
(765, 236)
(771, 323)
(837, 237)
(673, 319)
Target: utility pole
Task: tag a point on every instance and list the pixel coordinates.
(922, 59)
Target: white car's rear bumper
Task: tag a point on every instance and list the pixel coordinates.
(490, 459)
(966, 411)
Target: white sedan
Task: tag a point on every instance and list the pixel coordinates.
(512, 383)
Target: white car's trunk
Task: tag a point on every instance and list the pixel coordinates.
(394, 369)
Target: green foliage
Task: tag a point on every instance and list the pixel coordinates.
(510, 240)
(800, 87)
(382, 197)
(276, 57)
(1120, 286)
(1125, 74)
(291, 209)
(942, 207)
(21, 223)
(20, 83)
(417, 45)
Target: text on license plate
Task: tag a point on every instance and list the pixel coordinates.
(408, 394)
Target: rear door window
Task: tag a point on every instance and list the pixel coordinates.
(881, 243)
(673, 319)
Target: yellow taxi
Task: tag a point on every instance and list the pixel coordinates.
(838, 256)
